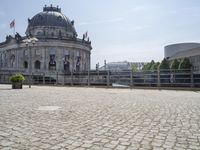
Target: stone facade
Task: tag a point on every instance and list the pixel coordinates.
(57, 50)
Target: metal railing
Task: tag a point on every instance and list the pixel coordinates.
(128, 78)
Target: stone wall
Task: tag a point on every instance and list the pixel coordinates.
(14, 56)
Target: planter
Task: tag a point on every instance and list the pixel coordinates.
(16, 81)
(17, 85)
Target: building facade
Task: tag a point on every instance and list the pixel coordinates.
(57, 49)
(185, 50)
(122, 66)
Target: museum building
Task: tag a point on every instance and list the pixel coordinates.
(51, 44)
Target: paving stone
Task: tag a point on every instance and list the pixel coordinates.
(77, 144)
(120, 147)
(98, 118)
(86, 145)
(108, 145)
(194, 147)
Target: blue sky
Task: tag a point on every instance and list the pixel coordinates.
(132, 30)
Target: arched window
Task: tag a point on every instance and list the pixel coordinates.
(25, 64)
(37, 64)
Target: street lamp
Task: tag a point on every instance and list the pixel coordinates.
(29, 41)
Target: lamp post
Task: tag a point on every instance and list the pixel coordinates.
(29, 41)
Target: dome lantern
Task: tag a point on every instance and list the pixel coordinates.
(51, 8)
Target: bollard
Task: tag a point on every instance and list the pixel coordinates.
(71, 78)
(43, 79)
(131, 79)
(192, 78)
(88, 77)
(158, 78)
(108, 78)
(56, 78)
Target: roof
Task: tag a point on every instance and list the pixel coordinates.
(187, 53)
(51, 16)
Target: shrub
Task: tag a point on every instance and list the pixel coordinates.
(17, 78)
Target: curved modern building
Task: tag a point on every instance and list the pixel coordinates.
(184, 50)
(57, 49)
(171, 50)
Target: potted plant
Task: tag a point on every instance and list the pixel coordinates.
(16, 81)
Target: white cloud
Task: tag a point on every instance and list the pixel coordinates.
(101, 21)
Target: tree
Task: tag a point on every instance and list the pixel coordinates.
(164, 64)
(134, 67)
(185, 64)
(148, 66)
(174, 64)
(151, 65)
(145, 66)
(155, 66)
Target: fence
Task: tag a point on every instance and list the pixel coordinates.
(162, 78)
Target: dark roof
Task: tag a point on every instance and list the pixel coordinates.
(51, 16)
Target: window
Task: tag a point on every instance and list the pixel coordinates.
(25, 64)
(66, 63)
(52, 63)
(37, 64)
(78, 63)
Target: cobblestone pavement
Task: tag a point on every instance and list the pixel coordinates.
(98, 118)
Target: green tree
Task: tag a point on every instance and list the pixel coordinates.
(164, 64)
(134, 67)
(148, 66)
(174, 64)
(155, 66)
(185, 64)
(151, 65)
